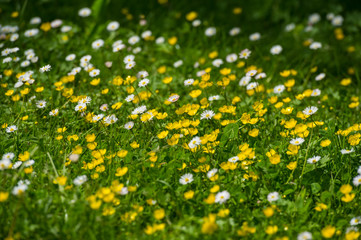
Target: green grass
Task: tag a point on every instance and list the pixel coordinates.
(133, 188)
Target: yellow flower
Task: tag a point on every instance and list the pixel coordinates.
(348, 197)
(90, 137)
(4, 196)
(254, 132)
(189, 194)
(292, 165)
(134, 144)
(237, 10)
(162, 134)
(345, 81)
(95, 82)
(346, 189)
(24, 156)
(191, 16)
(162, 69)
(325, 143)
(45, 26)
(172, 40)
(328, 231)
(271, 229)
(268, 212)
(159, 214)
(61, 180)
(209, 225)
(121, 171)
(122, 153)
(223, 213)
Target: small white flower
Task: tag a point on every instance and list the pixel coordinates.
(207, 114)
(84, 12)
(98, 44)
(178, 63)
(211, 31)
(222, 197)
(279, 89)
(79, 180)
(273, 196)
(144, 82)
(129, 125)
(231, 58)
(304, 236)
(345, 151)
(188, 82)
(196, 23)
(313, 159)
(337, 21)
(290, 27)
(129, 98)
(110, 119)
(355, 221)
(212, 173)
(196, 141)
(186, 178)
(320, 76)
(217, 62)
(46, 68)
(255, 36)
(357, 180)
(316, 92)
(160, 40)
(314, 18)
(112, 26)
(245, 53)
(275, 50)
(41, 104)
(70, 57)
(233, 159)
(11, 129)
(297, 141)
(133, 40)
(310, 110)
(315, 45)
(244, 81)
(94, 73)
(234, 31)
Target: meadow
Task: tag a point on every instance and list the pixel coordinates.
(169, 119)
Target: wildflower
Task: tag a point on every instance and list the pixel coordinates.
(244, 81)
(297, 141)
(310, 110)
(94, 73)
(211, 31)
(207, 114)
(112, 26)
(357, 180)
(245, 53)
(11, 129)
(315, 45)
(133, 40)
(129, 125)
(110, 119)
(186, 178)
(275, 50)
(54, 112)
(304, 236)
(79, 180)
(196, 141)
(279, 89)
(314, 159)
(346, 151)
(222, 197)
(46, 68)
(84, 12)
(41, 104)
(233, 159)
(355, 221)
(98, 44)
(273, 196)
(255, 36)
(144, 82)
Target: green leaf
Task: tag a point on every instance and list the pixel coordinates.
(229, 132)
(315, 187)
